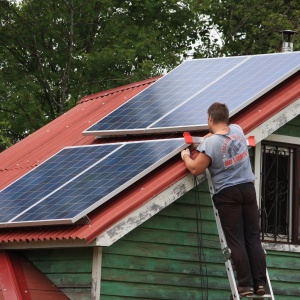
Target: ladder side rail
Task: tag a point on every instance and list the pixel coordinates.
(270, 286)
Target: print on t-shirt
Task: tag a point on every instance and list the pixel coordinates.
(233, 151)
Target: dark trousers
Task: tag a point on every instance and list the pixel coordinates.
(239, 217)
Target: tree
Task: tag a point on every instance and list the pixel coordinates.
(246, 27)
(53, 52)
(56, 51)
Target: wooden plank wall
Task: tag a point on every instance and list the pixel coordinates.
(292, 128)
(284, 271)
(159, 259)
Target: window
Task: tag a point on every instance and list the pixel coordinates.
(279, 216)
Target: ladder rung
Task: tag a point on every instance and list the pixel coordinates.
(266, 296)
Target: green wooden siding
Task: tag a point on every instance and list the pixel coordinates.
(284, 270)
(292, 128)
(159, 259)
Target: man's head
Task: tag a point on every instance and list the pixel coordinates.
(219, 113)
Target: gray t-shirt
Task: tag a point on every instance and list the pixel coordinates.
(230, 164)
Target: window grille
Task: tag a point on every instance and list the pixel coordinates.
(277, 192)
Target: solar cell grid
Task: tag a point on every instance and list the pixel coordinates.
(246, 83)
(157, 100)
(47, 177)
(179, 100)
(100, 180)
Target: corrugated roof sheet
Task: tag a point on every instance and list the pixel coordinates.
(66, 131)
(20, 279)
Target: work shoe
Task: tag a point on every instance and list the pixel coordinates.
(245, 291)
(260, 290)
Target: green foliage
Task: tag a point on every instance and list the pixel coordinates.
(4, 140)
(56, 51)
(243, 27)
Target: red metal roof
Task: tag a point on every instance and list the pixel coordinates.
(67, 131)
(20, 279)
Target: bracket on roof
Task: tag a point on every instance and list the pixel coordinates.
(192, 139)
(83, 221)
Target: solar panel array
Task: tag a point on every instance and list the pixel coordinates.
(77, 180)
(179, 100)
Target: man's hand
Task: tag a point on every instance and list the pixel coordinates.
(185, 152)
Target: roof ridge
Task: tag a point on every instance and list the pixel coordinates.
(118, 89)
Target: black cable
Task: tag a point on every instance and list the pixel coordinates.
(201, 254)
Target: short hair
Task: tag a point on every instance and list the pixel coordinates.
(219, 112)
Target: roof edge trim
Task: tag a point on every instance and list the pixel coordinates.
(278, 120)
(148, 210)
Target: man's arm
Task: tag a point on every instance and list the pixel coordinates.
(198, 165)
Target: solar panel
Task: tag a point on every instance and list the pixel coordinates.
(77, 180)
(179, 100)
